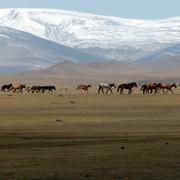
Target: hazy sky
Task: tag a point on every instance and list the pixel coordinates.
(149, 9)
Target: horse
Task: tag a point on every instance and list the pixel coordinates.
(84, 88)
(7, 87)
(149, 88)
(19, 88)
(47, 88)
(33, 89)
(168, 87)
(158, 88)
(108, 88)
(128, 86)
(144, 88)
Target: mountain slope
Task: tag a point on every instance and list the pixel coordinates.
(81, 30)
(167, 59)
(21, 51)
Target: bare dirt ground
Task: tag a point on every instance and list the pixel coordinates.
(79, 136)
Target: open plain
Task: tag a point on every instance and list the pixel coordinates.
(69, 135)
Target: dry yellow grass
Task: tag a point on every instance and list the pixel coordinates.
(80, 136)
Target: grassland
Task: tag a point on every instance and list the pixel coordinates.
(47, 136)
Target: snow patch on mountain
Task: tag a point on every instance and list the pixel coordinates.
(84, 30)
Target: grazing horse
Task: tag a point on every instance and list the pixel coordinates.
(6, 87)
(19, 88)
(168, 87)
(128, 86)
(84, 88)
(108, 87)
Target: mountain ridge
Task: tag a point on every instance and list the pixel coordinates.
(21, 51)
(85, 30)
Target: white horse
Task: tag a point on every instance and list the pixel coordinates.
(108, 87)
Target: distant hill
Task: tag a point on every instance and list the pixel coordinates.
(167, 59)
(68, 72)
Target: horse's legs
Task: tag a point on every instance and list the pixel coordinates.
(107, 91)
(130, 91)
(118, 89)
(103, 90)
(167, 91)
(171, 91)
(111, 90)
(121, 92)
(163, 91)
(99, 89)
(144, 91)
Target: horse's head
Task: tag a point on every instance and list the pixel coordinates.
(134, 84)
(159, 85)
(174, 85)
(113, 85)
(89, 85)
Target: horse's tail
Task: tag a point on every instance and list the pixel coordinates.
(78, 88)
(99, 89)
(118, 88)
(142, 87)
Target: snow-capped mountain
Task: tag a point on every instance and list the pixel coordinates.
(81, 30)
(21, 51)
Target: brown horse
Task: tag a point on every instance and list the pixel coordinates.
(19, 88)
(84, 88)
(145, 89)
(168, 87)
(6, 87)
(128, 87)
(150, 88)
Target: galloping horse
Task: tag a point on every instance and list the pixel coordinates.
(168, 87)
(108, 87)
(128, 86)
(19, 88)
(84, 88)
(7, 87)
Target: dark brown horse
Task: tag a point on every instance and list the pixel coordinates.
(151, 88)
(6, 87)
(145, 89)
(168, 87)
(128, 87)
(84, 88)
(48, 89)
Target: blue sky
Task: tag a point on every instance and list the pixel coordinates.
(144, 9)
